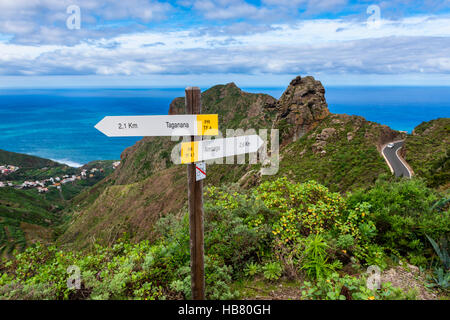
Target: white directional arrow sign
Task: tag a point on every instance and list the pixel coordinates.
(167, 125)
(213, 149)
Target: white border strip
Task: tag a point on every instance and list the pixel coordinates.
(385, 159)
(403, 162)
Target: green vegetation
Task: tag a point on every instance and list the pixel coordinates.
(442, 269)
(34, 174)
(27, 216)
(428, 152)
(25, 161)
(403, 215)
(346, 287)
(236, 108)
(312, 230)
(335, 161)
(18, 207)
(279, 230)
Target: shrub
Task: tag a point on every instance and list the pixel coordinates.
(441, 251)
(402, 215)
(303, 208)
(252, 269)
(345, 241)
(441, 278)
(315, 261)
(237, 227)
(347, 287)
(441, 274)
(272, 270)
(217, 279)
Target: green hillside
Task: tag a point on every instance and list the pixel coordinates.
(427, 151)
(25, 161)
(279, 240)
(25, 215)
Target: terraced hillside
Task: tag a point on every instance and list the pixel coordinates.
(25, 216)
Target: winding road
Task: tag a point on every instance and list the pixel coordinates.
(396, 164)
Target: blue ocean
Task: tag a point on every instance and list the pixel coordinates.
(59, 123)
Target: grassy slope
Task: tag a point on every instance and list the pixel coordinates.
(31, 167)
(346, 165)
(427, 151)
(25, 161)
(104, 212)
(24, 214)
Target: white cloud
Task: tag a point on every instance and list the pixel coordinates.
(410, 45)
(44, 21)
(230, 9)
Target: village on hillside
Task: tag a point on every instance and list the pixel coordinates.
(7, 169)
(44, 185)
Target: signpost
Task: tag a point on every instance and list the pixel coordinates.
(219, 148)
(169, 125)
(195, 196)
(193, 153)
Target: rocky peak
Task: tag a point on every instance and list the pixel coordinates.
(232, 85)
(301, 107)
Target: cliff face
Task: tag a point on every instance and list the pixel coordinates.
(301, 108)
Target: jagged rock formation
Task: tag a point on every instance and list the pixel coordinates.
(301, 107)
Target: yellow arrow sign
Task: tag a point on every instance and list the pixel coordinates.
(218, 148)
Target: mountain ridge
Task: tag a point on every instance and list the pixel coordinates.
(299, 115)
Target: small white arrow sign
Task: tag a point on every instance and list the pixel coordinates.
(167, 125)
(218, 148)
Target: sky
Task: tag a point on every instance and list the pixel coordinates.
(138, 43)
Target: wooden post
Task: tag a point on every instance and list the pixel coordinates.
(195, 195)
